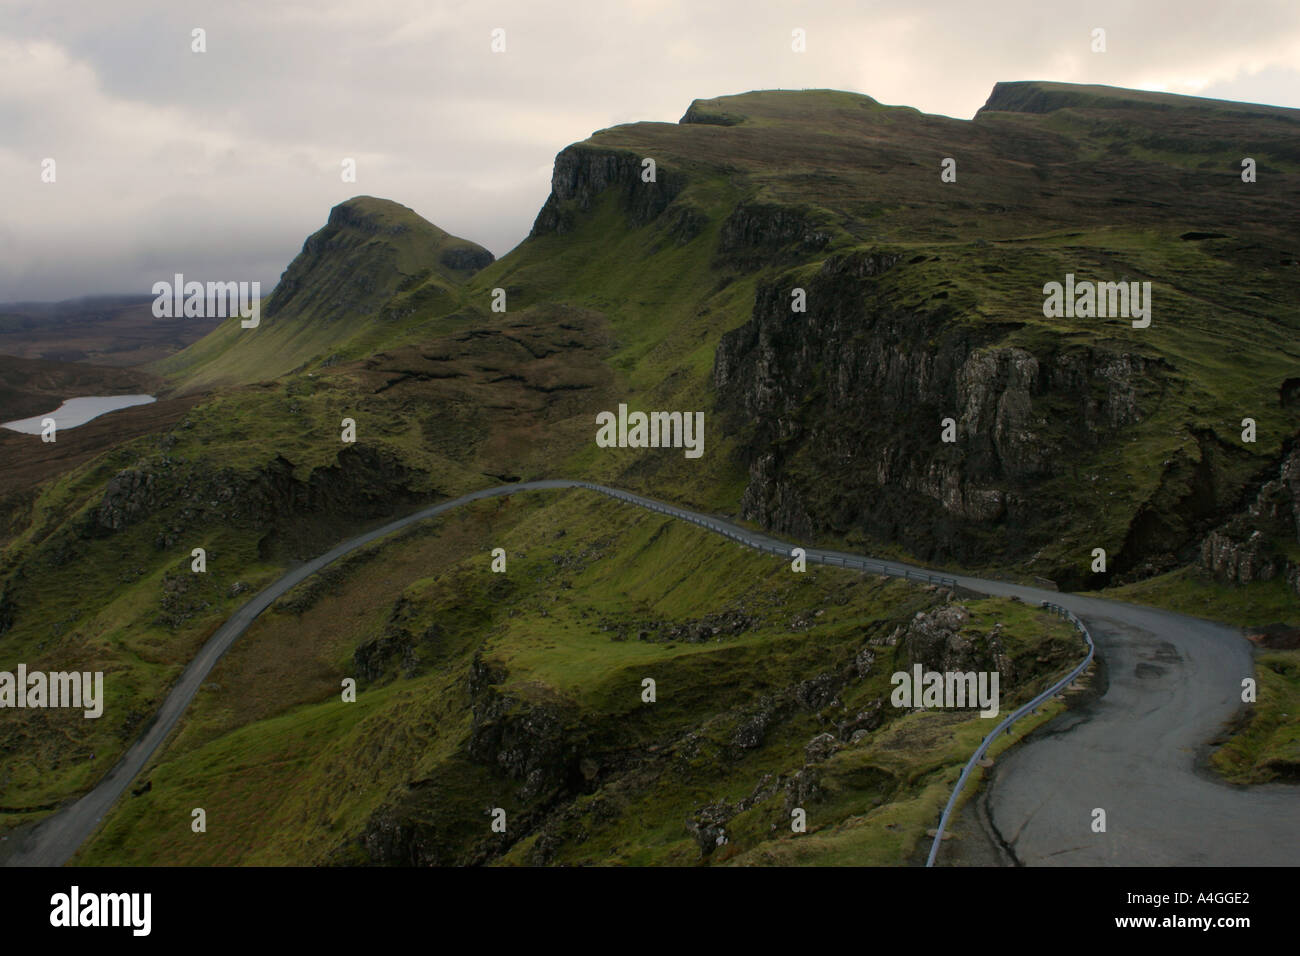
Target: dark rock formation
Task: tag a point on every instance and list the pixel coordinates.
(700, 115)
(820, 748)
(862, 723)
(1249, 546)
(397, 647)
(365, 483)
(756, 232)
(819, 691)
(752, 729)
(582, 173)
(538, 744)
(840, 409)
(466, 258)
(939, 640)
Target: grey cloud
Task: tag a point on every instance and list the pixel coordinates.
(227, 160)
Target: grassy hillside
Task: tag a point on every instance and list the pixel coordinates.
(369, 251)
(544, 663)
(924, 302)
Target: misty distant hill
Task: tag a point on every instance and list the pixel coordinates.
(119, 331)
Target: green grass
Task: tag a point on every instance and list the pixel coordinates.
(610, 312)
(1267, 749)
(1195, 592)
(299, 783)
(372, 251)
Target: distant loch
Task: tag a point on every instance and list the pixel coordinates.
(78, 411)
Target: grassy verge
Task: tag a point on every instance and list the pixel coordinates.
(1192, 591)
(1267, 748)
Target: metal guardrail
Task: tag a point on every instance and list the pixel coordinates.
(842, 561)
(1006, 724)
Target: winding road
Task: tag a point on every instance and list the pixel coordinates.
(1174, 681)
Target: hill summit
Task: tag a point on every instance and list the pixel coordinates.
(369, 250)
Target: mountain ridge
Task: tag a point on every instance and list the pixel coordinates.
(924, 303)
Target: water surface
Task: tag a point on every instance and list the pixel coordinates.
(78, 411)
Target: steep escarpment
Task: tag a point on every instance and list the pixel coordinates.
(842, 408)
(582, 173)
(924, 303)
(759, 234)
(1261, 542)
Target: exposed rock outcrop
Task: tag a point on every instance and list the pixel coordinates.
(940, 640)
(1249, 546)
(755, 232)
(536, 743)
(466, 258)
(752, 729)
(364, 483)
(698, 113)
(840, 409)
(582, 173)
(397, 648)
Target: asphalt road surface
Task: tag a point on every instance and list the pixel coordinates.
(1174, 681)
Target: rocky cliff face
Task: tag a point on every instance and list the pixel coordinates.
(364, 484)
(1258, 543)
(838, 411)
(841, 408)
(699, 113)
(583, 172)
(468, 258)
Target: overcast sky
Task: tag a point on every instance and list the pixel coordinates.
(219, 164)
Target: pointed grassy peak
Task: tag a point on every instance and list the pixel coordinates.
(368, 250)
(412, 236)
(336, 289)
